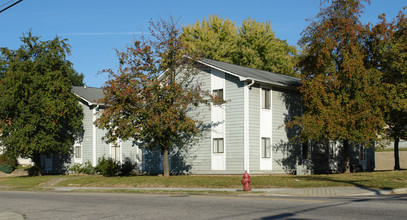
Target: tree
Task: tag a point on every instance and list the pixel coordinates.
(341, 95)
(253, 44)
(38, 111)
(388, 51)
(148, 98)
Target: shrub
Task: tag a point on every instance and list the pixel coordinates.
(107, 167)
(7, 168)
(127, 167)
(85, 168)
(34, 171)
(8, 163)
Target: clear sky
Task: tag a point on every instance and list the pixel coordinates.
(95, 28)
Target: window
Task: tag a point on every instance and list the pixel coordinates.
(115, 152)
(78, 151)
(265, 148)
(332, 149)
(218, 96)
(217, 145)
(266, 98)
(48, 155)
(362, 152)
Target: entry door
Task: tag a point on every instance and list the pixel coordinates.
(218, 154)
(48, 162)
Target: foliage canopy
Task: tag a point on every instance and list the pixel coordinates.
(342, 95)
(253, 44)
(38, 111)
(388, 53)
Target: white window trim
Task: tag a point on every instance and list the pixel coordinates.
(221, 85)
(266, 130)
(120, 151)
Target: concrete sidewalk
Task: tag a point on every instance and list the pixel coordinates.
(311, 192)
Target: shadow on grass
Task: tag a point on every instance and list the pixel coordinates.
(355, 183)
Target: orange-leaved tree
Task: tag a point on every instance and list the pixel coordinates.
(341, 95)
(148, 98)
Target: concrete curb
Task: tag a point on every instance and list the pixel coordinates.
(302, 192)
(400, 191)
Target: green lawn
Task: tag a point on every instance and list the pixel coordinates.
(380, 180)
(389, 150)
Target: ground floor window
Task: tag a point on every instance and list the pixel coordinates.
(115, 152)
(265, 147)
(78, 151)
(362, 152)
(218, 145)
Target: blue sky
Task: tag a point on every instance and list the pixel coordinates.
(95, 28)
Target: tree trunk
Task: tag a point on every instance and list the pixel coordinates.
(166, 164)
(36, 158)
(346, 156)
(396, 154)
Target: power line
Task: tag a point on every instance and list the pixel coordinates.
(15, 3)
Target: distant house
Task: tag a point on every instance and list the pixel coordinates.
(248, 132)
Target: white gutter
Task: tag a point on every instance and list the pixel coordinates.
(251, 84)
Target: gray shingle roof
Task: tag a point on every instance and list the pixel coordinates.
(90, 95)
(246, 73)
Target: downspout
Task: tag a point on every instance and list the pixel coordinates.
(246, 157)
(94, 135)
(94, 139)
(251, 84)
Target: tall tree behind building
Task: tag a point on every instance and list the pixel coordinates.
(253, 44)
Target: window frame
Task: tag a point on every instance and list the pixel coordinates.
(220, 94)
(78, 153)
(266, 98)
(216, 149)
(362, 152)
(116, 149)
(265, 147)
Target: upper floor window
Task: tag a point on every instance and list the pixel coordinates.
(218, 96)
(266, 98)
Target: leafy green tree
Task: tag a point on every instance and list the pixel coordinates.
(214, 39)
(388, 47)
(253, 44)
(341, 95)
(149, 96)
(38, 111)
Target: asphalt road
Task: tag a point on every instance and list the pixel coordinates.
(72, 205)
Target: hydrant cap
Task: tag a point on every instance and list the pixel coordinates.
(246, 175)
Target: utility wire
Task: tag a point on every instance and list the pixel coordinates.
(6, 3)
(15, 3)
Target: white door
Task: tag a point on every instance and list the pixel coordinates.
(218, 154)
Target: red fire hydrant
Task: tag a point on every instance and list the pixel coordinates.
(246, 182)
